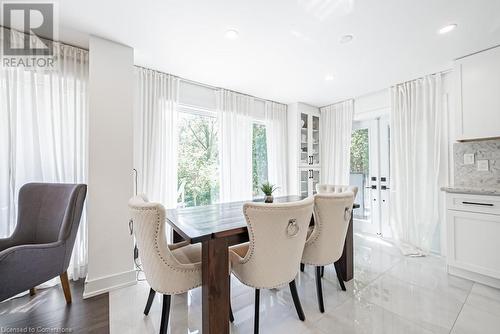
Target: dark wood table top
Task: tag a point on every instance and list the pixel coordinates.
(217, 220)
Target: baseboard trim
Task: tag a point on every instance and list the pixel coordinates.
(108, 283)
(486, 280)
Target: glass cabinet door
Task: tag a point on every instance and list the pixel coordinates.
(304, 183)
(315, 140)
(304, 139)
(315, 180)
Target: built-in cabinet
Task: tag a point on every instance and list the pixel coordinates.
(304, 149)
(478, 98)
(473, 232)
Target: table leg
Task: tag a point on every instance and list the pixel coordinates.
(215, 288)
(346, 262)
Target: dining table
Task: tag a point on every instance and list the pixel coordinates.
(217, 227)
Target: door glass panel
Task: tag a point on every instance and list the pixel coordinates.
(315, 180)
(315, 139)
(304, 138)
(304, 182)
(360, 162)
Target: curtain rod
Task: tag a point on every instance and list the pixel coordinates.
(208, 86)
(421, 77)
(44, 39)
(354, 98)
(473, 53)
(341, 101)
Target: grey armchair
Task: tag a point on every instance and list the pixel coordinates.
(40, 247)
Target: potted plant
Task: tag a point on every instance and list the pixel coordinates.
(268, 190)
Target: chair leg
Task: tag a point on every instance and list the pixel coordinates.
(319, 290)
(151, 297)
(322, 271)
(256, 317)
(302, 266)
(296, 300)
(65, 286)
(32, 291)
(165, 312)
(339, 276)
(231, 316)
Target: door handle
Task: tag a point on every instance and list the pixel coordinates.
(476, 203)
(384, 188)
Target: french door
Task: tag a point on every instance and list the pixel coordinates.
(370, 172)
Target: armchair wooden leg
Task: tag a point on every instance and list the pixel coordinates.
(151, 297)
(339, 276)
(319, 290)
(165, 313)
(65, 286)
(257, 310)
(296, 300)
(32, 291)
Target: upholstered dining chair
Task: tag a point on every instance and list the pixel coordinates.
(332, 188)
(169, 269)
(277, 234)
(325, 242)
(40, 247)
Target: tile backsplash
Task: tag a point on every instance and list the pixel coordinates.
(467, 175)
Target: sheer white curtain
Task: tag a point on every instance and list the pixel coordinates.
(416, 136)
(235, 145)
(156, 135)
(335, 132)
(277, 139)
(43, 134)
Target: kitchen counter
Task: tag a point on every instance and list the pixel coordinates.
(460, 190)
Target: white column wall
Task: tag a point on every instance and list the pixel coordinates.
(110, 166)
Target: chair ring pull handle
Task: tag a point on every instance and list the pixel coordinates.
(347, 214)
(292, 228)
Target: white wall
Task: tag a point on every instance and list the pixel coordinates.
(373, 105)
(110, 165)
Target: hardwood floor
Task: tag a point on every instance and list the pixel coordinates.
(47, 312)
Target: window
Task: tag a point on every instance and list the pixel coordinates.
(259, 158)
(360, 163)
(198, 165)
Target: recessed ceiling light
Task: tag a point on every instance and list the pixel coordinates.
(232, 34)
(346, 39)
(447, 28)
(329, 77)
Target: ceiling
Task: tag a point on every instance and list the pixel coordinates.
(287, 47)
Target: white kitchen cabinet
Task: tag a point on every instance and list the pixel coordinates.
(308, 179)
(478, 98)
(304, 148)
(473, 232)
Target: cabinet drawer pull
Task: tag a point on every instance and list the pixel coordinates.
(475, 203)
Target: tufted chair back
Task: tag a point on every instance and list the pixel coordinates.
(277, 236)
(164, 273)
(331, 188)
(332, 213)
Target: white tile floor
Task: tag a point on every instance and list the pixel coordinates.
(390, 294)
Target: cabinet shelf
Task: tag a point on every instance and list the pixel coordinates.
(304, 149)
